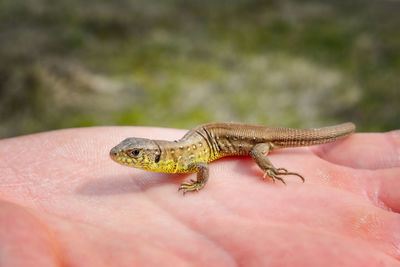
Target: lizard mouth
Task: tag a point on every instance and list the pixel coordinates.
(116, 155)
(120, 157)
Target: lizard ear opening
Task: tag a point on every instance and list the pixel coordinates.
(157, 159)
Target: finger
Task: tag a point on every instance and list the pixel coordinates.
(364, 151)
(389, 191)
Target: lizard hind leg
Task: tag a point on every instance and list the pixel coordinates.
(259, 154)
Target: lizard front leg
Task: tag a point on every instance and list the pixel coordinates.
(259, 154)
(202, 176)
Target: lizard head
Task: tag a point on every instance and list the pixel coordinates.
(137, 152)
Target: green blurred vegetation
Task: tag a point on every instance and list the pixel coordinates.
(180, 63)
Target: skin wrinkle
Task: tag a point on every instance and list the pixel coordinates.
(374, 197)
(311, 227)
(85, 223)
(110, 231)
(389, 193)
(241, 216)
(373, 189)
(397, 245)
(155, 242)
(11, 171)
(161, 211)
(375, 194)
(193, 230)
(85, 246)
(324, 168)
(333, 234)
(321, 153)
(371, 225)
(52, 239)
(286, 226)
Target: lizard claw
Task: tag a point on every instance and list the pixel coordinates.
(274, 173)
(191, 185)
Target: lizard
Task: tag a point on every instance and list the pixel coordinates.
(208, 142)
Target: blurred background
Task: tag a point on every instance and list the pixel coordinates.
(179, 63)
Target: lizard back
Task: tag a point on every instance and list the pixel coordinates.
(225, 139)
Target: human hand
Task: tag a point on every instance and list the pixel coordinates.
(63, 201)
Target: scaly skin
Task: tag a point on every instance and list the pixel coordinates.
(212, 141)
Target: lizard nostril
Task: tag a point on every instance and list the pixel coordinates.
(113, 152)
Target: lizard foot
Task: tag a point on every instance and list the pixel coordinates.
(192, 185)
(275, 172)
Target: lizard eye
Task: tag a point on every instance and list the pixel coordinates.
(134, 153)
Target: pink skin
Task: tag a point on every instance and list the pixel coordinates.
(64, 202)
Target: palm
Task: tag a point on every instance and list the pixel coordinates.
(64, 201)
